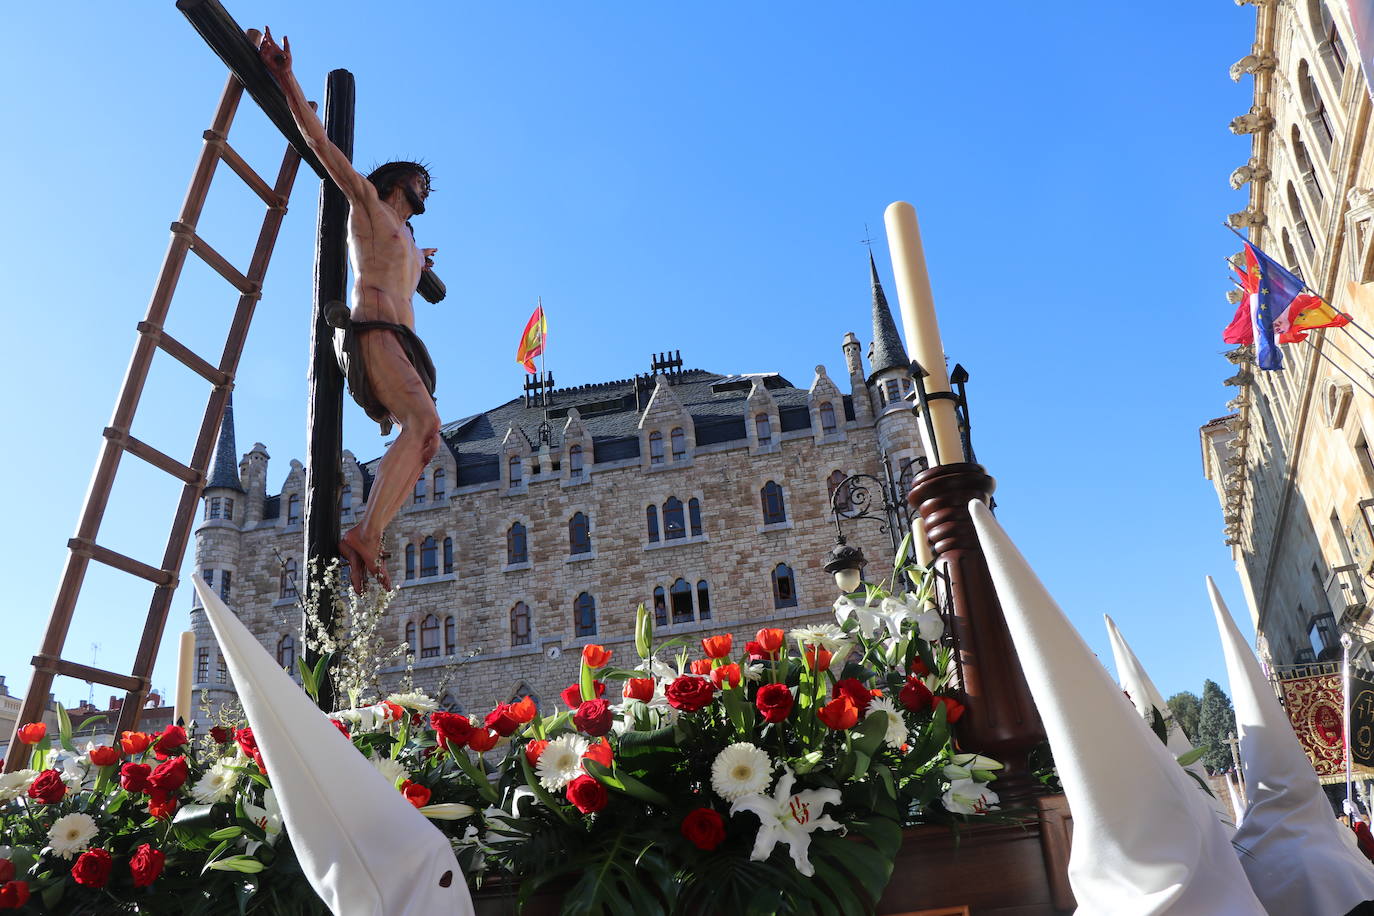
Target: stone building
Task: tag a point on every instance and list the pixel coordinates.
(1292, 462)
(548, 519)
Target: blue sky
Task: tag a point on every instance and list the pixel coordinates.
(694, 177)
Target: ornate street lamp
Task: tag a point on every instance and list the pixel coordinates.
(853, 499)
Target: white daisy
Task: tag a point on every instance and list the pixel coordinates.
(16, 784)
(561, 761)
(71, 834)
(393, 770)
(896, 726)
(413, 700)
(217, 784)
(741, 769)
(826, 635)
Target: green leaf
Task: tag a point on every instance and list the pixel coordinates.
(227, 833)
(91, 723)
(64, 728)
(1193, 756)
(308, 682)
(623, 782)
(902, 551)
(807, 762)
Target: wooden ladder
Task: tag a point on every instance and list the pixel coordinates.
(84, 548)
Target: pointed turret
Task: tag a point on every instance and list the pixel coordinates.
(887, 351)
(224, 470)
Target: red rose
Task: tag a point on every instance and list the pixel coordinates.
(705, 828)
(6, 870)
(850, 687)
(594, 717)
(953, 709)
(483, 739)
(14, 895)
(415, 793)
(453, 730)
(572, 696)
(33, 733)
(726, 674)
(48, 787)
(916, 696)
(173, 737)
(639, 688)
(343, 729)
(600, 751)
(246, 741)
(534, 749)
(146, 864)
(502, 720)
(524, 711)
(839, 714)
(717, 646)
(169, 776)
(219, 734)
(134, 777)
(92, 869)
(161, 804)
(817, 658)
(918, 667)
(700, 666)
(690, 694)
(134, 743)
(596, 656)
(774, 702)
(587, 795)
(103, 756)
(771, 639)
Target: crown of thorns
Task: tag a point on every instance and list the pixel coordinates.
(388, 170)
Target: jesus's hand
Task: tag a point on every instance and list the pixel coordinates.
(276, 57)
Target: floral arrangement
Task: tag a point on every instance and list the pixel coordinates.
(771, 777)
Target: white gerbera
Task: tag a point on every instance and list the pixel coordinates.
(71, 834)
(561, 761)
(413, 700)
(217, 784)
(13, 785)
(393, 770)
(896, 726)
(741, 769)
(826, 635)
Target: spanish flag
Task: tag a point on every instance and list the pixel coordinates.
(532, 340)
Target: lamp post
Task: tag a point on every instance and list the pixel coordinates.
(852, 500)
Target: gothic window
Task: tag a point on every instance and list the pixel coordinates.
(516, 549)
(346, 501)
(679, 443)
(703, 600)
(1305, 169)
(655, 447)
(681, 597)
(514, 465)
(1300, 219)
(293, 509)
(827, 413)
(882, 397)
(763, 429)
(694, 516)
(429, 637)
(1316, 108)
(410, 636)
(287, 580)
(1333, 38)
(520, 624)
(286, 652)
(450, 636)
(774, 512)
(222, 672)
(579, 534)
(651, 519)
(419, 495)
(584, 615)
(448, 555)
(440, 484)
(214, 507)
(202, 665)
(575, 462)
(209, 576)
(224, 579)
(784, 587)
(894, 390)
(429, 557)
(410, 561)
(229, 508)
(660, 607)
(673, 527)
(1290, 253)
(836, 481)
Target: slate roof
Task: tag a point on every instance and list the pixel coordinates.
(224, 469)
(887, 351)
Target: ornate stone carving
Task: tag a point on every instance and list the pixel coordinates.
(1242, 354)
(1247, 218)
(1233, 296)
(1253, 170)
(1256, 120)
(1252, 63)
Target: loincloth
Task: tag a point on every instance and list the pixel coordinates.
(348, 349)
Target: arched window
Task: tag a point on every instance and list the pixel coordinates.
(679, 443)
(410, 561)
(774, 511)
(1305, 169)
(448, 555)
(520, 624)
(827, 413)
(1332, 35)
(293, 509)
(1290, 253)
(651, 519)
(419, 495)
(440, 484)
(681, 596)
(575, 462)
(579, 534)
(429, 557)
(346, 501)
(288, 579)
(1300, 220)
(584, 615)
(286, 652)
(450, 636)
(784, 587)
(655, 447)
(410, 637)
(516, 549)
(763, 428)
(660, 607)
(514, 465)
(836, 481)
(703, 600)
(694, 516)
(429, 637)
(673, 528)
(1316, 108)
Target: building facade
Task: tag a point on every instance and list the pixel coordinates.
(1292, 463)
(546, 521)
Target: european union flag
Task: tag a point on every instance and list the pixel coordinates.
(1275, 289)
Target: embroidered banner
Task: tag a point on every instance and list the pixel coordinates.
(1314, 708)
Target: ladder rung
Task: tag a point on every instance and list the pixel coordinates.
(119, 561)
(86, 673)
(215, 259)
(179, 351)
(231, 158)
(156, 458)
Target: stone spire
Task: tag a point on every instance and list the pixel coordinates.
(887, 351)
(224, 469)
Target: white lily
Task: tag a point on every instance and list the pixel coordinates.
(268, 817)
(930, 626)
(968, 797)
(868, 619)
(791, 819)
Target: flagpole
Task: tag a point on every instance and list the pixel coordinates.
(1346, 642)
(543, 355)
(1338, 367)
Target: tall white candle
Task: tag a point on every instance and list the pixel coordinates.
(918, 319)
(185, 670)
(921, 542)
